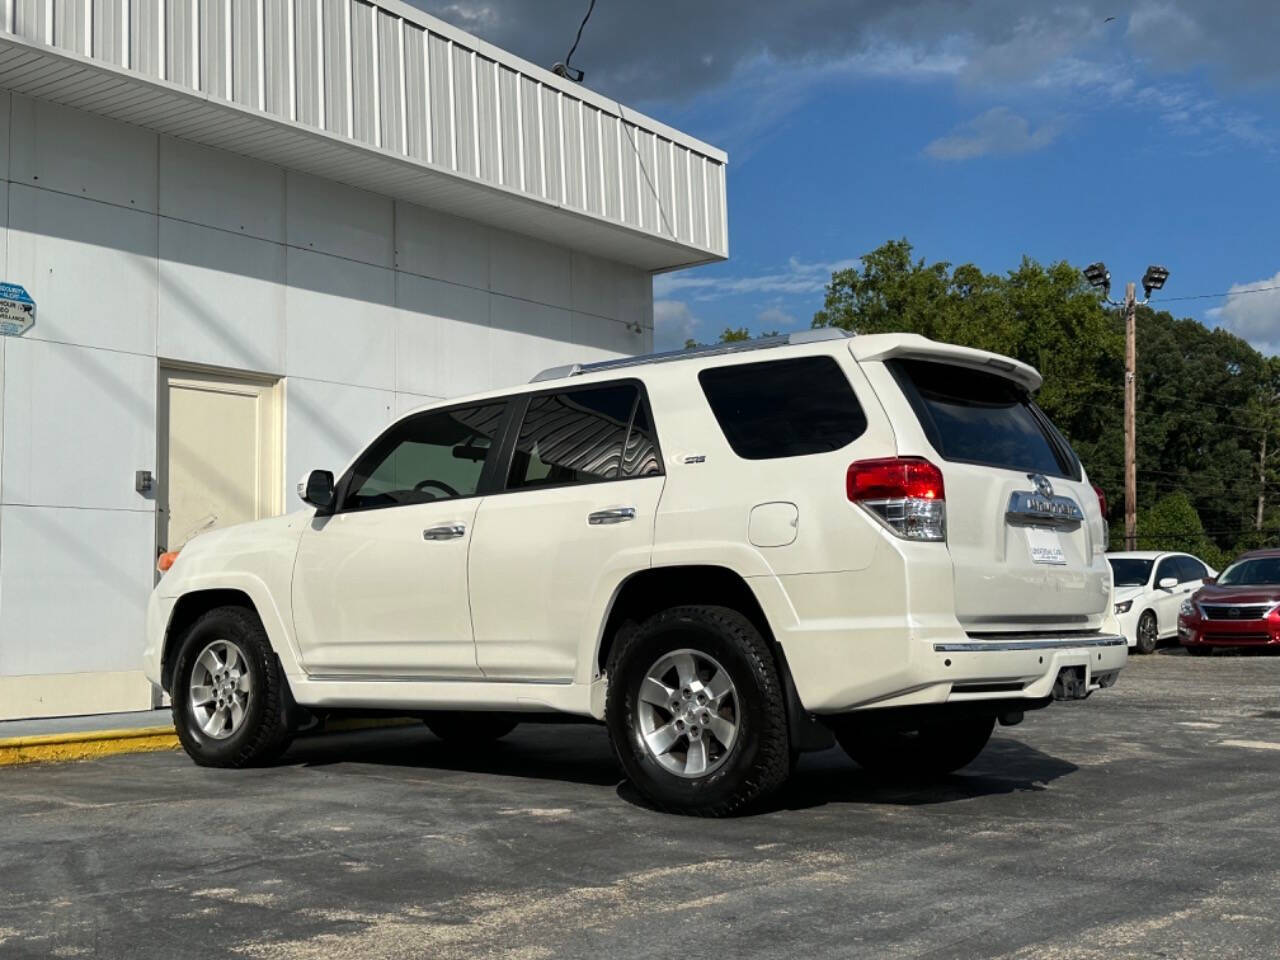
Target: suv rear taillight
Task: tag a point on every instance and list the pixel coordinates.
(904, 493)
(1102, 500)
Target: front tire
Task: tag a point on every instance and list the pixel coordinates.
(1148, 633)
(932, 751)
(228, 691)
(696, 713)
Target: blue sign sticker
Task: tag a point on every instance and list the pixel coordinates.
(17, 310)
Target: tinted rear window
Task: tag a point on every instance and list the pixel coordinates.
(1130, 572)
(784, 408)
(977, 417)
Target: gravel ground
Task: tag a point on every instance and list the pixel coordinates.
(1144, 822)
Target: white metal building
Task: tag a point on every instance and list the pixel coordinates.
(255, 231)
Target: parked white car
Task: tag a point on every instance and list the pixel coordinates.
(727, 555)
(1150, 587)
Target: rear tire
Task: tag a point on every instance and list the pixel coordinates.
(924, 754)
(228, 691)
(1148, 633)
(696, 713)
(465, 728)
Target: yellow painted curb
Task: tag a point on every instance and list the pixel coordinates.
(92, 744)
(55, 747)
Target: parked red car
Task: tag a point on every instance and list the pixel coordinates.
(1240, 609)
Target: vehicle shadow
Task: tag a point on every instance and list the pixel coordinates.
(1005, 766)
(580, 754)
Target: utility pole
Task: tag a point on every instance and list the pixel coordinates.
(1130, 417)
(1099, 277)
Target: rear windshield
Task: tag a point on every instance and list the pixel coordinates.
(976, 417)
(1262, 571)
(1128, 572)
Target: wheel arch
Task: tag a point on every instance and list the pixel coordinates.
(188, 609)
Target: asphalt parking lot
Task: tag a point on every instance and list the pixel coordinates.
(1144, 822)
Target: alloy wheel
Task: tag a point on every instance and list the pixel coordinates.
(220, 689)
(687, 713)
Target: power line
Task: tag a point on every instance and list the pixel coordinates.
(563, 69)
(1215, 296)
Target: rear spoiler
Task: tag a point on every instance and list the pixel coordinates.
(886, 346)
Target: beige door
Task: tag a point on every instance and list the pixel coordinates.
(220, 453)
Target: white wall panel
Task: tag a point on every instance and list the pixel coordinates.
(523, 267)
(594, 197)
(181, 32)
(222, 298)
(417, 103)
(390, 80)
(436, 321)
(145, 52)
(528, 337)
(102, 559)
(341, 220)
(220, 189)
(440, 97)
(109, 37)
(599, 339)
(69, 25)
(215, 47)
(406, 402)
(487, 137)
(276, 60)
(552, 157)
(339, 320)
(91, 268)
(531, 134)
(337, 67)
(596, 285)
(59, 148)
(6, 107)
(464, 112)
(329, 423)
(509, 107)
(77, 423)
(433, 244)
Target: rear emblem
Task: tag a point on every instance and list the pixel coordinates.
(1043, 486)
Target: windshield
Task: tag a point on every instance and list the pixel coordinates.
(1130, 572)
(1263, 571)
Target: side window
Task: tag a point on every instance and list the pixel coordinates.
(784, 408)
(583, 436)
(1168, 568)
(1189, 568)
(424, 458)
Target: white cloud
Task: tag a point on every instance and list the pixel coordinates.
(1253, 316)
(673, 324)
(999, 131)
(775, 318)
(797, 277)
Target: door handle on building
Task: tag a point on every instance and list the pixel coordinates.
(447, 531)
(612, 515)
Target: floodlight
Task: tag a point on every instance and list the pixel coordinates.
(1153, 279)
(1099, 276)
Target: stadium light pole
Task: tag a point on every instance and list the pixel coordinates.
(1099, 277)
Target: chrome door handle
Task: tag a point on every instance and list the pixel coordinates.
(612, 515)
(447, 531)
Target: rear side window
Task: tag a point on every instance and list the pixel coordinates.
(583, 436)
(1189, 568)
(976, 417)
(784, 408)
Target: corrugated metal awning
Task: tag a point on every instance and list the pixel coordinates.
(387, 99)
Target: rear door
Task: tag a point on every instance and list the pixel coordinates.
(1023, 526)
(575, 517)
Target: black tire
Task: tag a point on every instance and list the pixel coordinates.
(1147, 633)
(466, 728)
(264, 733)
(925, 754)
(757, 761)
(1199, 651)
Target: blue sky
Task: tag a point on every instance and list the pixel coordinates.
(980, 132)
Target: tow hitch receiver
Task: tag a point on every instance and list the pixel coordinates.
(1072, 684)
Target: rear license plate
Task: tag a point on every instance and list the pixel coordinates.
(1045, 546)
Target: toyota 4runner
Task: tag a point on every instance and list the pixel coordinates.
(728, 555)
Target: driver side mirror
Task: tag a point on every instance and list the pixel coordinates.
(1167, 583)
(317, 489)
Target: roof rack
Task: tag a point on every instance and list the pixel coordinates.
(816, 335)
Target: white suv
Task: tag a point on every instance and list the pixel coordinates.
(728, 555)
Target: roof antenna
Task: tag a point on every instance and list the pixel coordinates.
(562, 68)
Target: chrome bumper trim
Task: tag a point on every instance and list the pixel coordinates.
(1044, 643)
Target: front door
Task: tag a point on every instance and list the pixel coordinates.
(1167, 602)
(220, 453)
(575, 519)
(380, 585)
